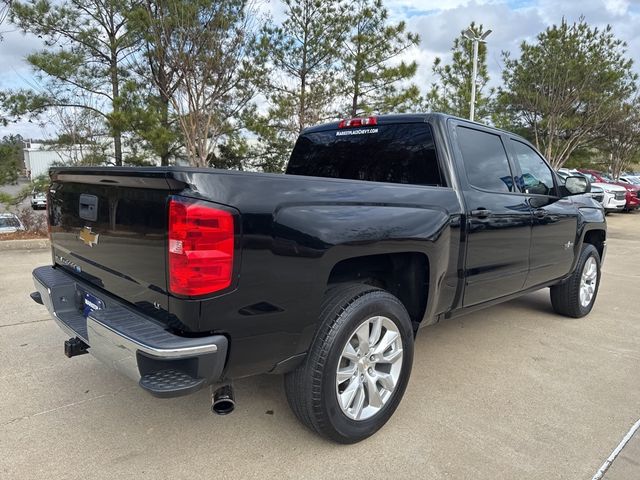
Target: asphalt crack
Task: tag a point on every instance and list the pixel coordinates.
(61, 407)
(26, 323)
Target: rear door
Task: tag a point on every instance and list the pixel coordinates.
(498, 218)
(109, 228)
(555, 219)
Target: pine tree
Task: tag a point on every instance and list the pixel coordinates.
(374, 82)
(302, 84)
(84, 63)
(566, 86)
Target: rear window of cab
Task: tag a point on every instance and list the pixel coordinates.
(392, 153)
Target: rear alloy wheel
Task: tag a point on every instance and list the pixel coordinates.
(369, 368)
(576, 295)
(357, 367)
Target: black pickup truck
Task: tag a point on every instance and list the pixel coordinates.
(183, 278)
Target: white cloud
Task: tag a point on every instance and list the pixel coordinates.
(618, 7)
(417, 6)
(438, 30)
(14, 48)
(16, 73)
(511, 22)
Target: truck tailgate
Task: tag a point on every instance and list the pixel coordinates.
(110, 229)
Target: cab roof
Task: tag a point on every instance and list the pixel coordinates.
(433, 117)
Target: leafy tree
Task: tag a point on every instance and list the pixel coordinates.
(232, 155)
(88, 68)
(11, 158)
(372, 81)
(566, 86)
(451, 93)
(209, 45)
(585, 157)
(5, 199)
(302, 86)
(621, 136)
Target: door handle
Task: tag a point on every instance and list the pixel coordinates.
(481, 213)
(540, 213)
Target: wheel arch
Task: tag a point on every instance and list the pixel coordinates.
(406, 275)
(598, 238)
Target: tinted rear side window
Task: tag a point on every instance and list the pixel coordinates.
(485, 160)
(397, 153)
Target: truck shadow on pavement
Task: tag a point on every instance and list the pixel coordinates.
(261, 405)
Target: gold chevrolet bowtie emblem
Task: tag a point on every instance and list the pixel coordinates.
(88, 237)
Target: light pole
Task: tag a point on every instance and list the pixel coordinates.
(476, 39)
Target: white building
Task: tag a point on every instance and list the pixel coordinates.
(39, 157)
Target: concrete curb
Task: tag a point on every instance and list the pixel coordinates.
(30, 244)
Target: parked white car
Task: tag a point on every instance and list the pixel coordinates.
(38, 200)
(615, 196)
(9, 223)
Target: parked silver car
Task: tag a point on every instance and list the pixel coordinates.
(9, 223)
(631, 179)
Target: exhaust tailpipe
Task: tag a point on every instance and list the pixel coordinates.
(223, 401)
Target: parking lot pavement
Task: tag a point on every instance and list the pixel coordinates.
(511, 392)
(626, 464)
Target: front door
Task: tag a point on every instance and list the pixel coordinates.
(555, 219)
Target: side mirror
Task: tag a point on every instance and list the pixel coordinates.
(577, 185)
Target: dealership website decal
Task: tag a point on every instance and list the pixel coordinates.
(362, 131)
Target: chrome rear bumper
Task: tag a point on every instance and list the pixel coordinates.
(129, 341)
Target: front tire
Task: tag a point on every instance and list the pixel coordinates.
(576, 296)
(358, 366)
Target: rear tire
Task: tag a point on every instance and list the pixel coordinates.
(576, 296)
(351, 381)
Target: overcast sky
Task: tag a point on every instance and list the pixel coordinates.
(437, 22)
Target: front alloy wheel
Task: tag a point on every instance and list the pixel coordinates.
(588, 282)
(576, 296)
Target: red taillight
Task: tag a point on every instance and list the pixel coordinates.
(201, 243)
(358, 122)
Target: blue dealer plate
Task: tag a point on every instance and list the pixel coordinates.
(91, 303)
